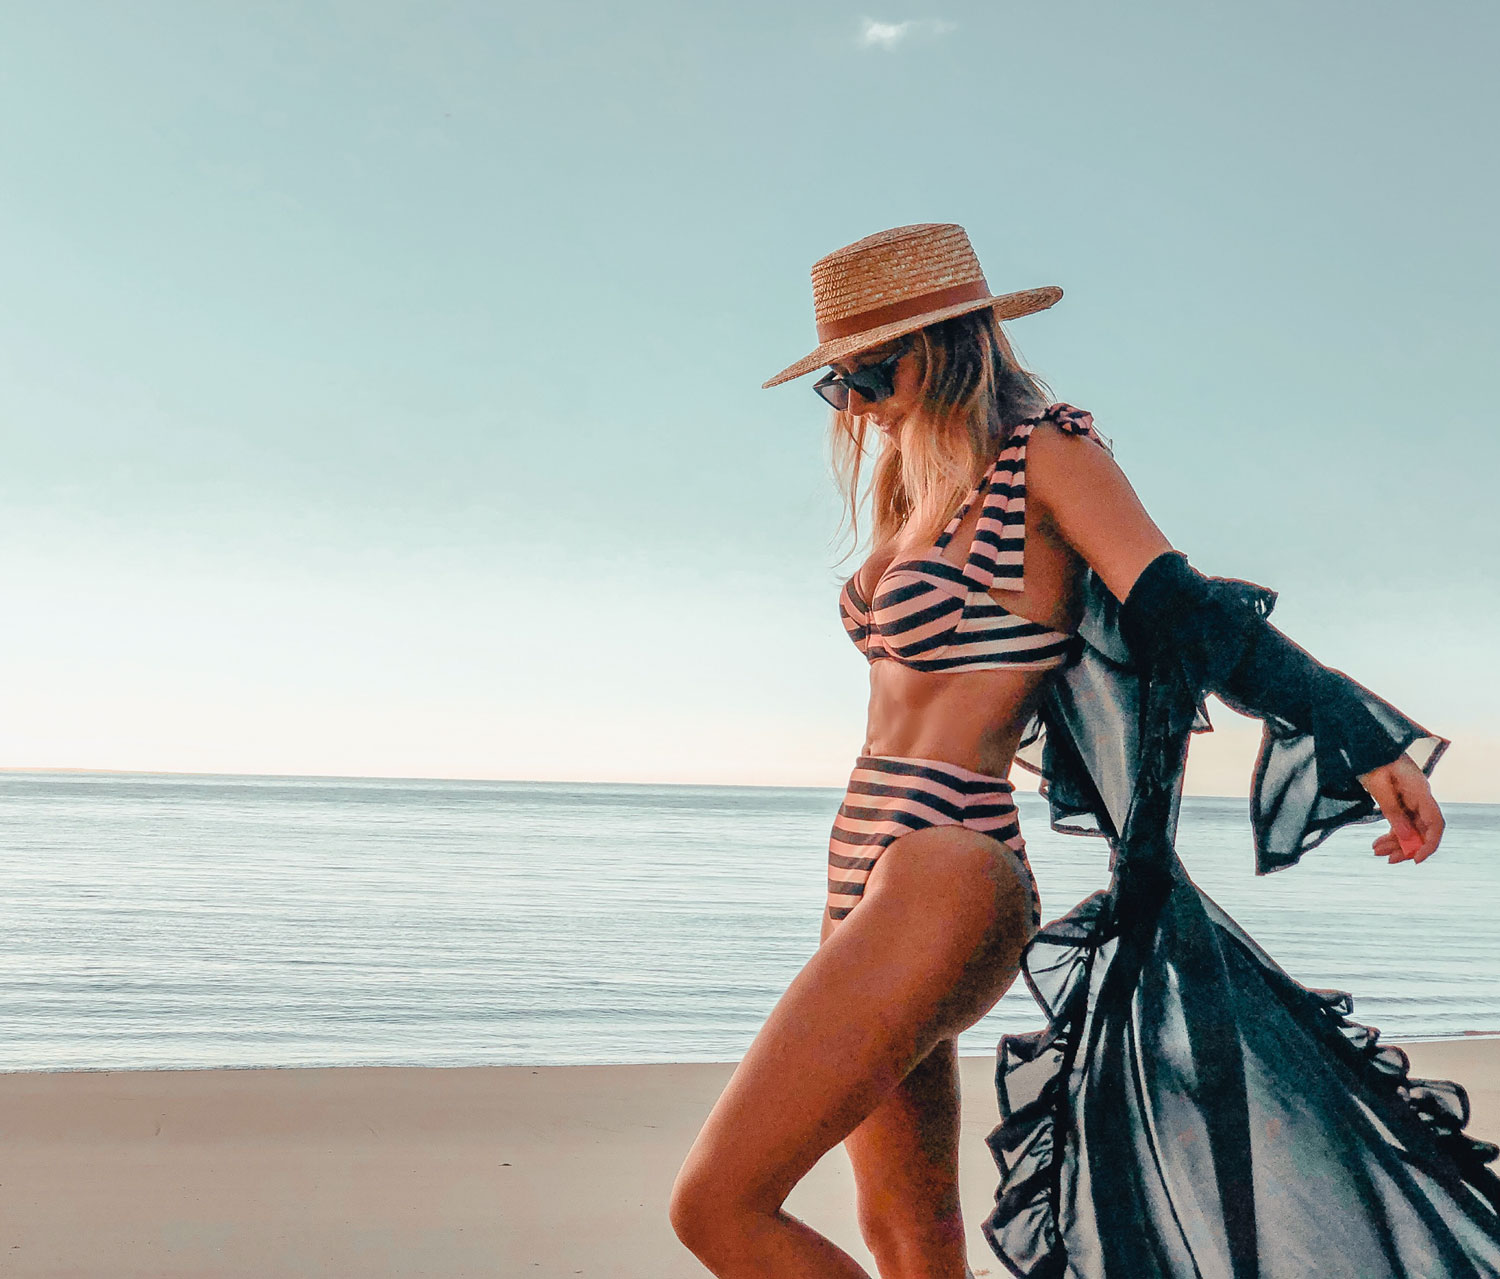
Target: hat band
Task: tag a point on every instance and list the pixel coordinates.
(849, 325)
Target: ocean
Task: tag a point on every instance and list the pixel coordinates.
(182, 921)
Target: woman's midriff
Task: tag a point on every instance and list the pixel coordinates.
(969, 718)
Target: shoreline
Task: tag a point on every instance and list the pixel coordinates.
(1458, 1037)
(428, 1170)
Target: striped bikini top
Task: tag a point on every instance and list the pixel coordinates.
(932, 615)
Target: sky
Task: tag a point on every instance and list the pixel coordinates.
(380, 384)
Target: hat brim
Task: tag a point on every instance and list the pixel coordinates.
(1007, 306)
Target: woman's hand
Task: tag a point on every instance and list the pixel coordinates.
(1405, 799)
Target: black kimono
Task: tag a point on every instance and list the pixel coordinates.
(1190, 1109)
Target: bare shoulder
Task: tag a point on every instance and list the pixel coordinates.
(1056, 447)
(1065, 466)
(1082, 493)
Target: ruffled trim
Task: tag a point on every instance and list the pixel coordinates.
(1442, 1105)
(1305, 787)
(1081, 968)
(1073, 805)
(1031, 1081)
(1035, 1073)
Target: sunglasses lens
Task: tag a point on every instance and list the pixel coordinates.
(836, 393)
(874, 382)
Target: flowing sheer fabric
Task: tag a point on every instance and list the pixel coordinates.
(1190, 1109)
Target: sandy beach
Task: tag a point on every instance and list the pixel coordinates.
(496, 1171)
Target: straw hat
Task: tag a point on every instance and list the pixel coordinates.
(896, 282)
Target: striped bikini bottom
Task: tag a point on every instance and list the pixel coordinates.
(889, 796)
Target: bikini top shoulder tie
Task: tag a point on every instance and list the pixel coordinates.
(933, 615)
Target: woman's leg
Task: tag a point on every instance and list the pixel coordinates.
(936, 940)
(905, 1161)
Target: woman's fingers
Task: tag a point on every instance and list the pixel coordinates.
(1428, 820)
(1406, 801)
(1382, 784)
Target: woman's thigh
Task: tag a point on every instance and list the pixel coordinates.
(934, 942)
(905, 1152)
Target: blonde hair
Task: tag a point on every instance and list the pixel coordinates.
(972, 390)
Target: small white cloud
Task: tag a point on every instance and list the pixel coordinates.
(885, 34)
(874, 34)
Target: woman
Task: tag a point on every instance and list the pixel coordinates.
(991, 508)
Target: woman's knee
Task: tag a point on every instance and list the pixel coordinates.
(708, 1210)
(696, 1212)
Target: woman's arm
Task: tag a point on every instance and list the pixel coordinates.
(1174, 614)
(1087, 499)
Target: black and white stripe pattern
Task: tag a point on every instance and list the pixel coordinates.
(890, 796)
(932, 615)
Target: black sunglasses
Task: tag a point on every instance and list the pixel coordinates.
(874, 382)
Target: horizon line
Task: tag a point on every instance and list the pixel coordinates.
(43, 770)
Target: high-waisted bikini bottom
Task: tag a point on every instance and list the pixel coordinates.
(891, 795)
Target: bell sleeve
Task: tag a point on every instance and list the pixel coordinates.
(1306, 780)
(1084, 741)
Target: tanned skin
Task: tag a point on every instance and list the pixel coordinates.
(862, 1047)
